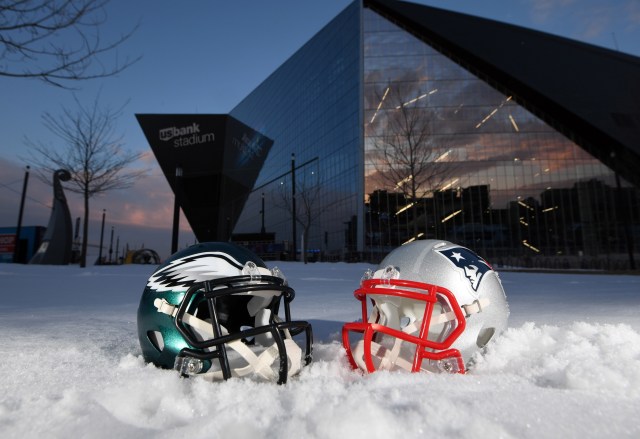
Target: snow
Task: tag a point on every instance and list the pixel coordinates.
(568, 366)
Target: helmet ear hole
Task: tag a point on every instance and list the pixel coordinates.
(156, 339)
(484, 336)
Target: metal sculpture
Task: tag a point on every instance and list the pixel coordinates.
(55, 248)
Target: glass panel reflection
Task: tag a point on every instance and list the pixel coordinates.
(449, 157)
(310, 107)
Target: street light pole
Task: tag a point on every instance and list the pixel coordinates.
(262, 229)
(293, 204)
(176, 210)
(16, 249)
(104, 213)
(111, 245)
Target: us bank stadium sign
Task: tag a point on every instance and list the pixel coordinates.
(248, 146)
(185, 135)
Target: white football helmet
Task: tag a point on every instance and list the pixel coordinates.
(433, 306)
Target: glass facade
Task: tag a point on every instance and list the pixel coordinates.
(449, 157)
(310, 107)
(393, 142)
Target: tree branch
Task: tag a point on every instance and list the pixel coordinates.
(35, 36)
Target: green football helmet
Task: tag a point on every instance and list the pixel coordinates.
(213, 310)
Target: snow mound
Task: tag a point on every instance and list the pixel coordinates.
(581, 356)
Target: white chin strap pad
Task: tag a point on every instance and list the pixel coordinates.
(261, 364)
(388, 358)
(262, 319)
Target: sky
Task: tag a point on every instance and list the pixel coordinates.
(568, 366)
(205, 57)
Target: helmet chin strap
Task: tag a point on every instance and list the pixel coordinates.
(259, 364)
(390, 357)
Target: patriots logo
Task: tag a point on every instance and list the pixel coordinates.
(472, 265)
(182, 273)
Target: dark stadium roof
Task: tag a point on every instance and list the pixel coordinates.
(588, 93)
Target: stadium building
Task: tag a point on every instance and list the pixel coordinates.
(399, 121)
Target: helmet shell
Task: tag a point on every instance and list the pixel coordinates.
(159, 338)
(469, 277)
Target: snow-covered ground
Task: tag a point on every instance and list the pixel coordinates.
(568, 366)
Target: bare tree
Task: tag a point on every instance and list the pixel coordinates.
(407, 156)
(93, 154)
(56, 41)
(307, 192)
